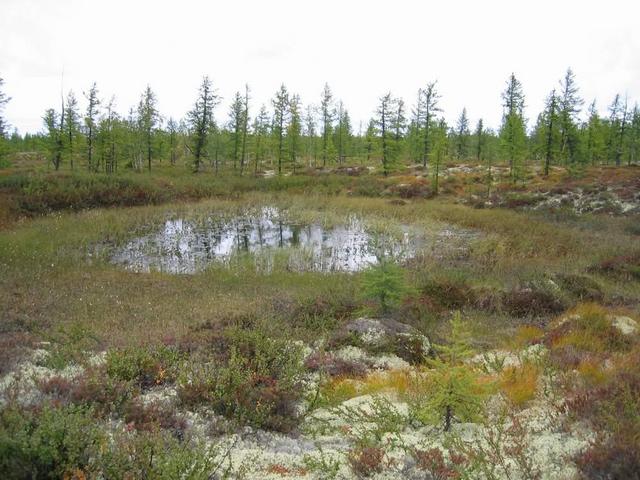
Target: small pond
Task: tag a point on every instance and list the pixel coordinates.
(183, 245)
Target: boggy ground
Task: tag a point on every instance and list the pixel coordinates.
(243, 372)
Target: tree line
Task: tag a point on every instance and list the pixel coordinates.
(287, 135)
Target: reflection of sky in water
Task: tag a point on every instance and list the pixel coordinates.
(183, 246)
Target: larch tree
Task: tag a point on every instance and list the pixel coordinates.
(148, 118)
(462, 135)
(618, 117)
(481, 142)
(457, 392)
(328, 115)
(384, 121)
(108, 137)
(245, 129)
(294, 130)
(399, 121)
(280, 118)
(90, 124)
(343, 133)
(634, 137)
(4, 127)
(72, 125)
(310, 134)
(201, 122)
(569, 105)
(370, 139)
(54, 124)
(260, 133)
(513, 135)
(236, 122)
(550, 118)
(595, 142)
(439, 150)
(427, 109)
(172, 130)
(339, 134)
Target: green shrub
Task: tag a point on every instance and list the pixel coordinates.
(48, 444)
(158, 456)
(258, 384)
(145, 366)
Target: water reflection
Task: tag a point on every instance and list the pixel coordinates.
(188, 246)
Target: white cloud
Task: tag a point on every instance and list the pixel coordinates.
(362, 48)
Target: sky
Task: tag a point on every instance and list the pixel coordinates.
(361, 48)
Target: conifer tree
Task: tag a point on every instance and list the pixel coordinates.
(462, 135)
(245, 129)
(595, 140)
(550, 119)
(481, 141)
(294, 131)
(310, 134)
(569, 105)
(54, 123)
(4, 99)
(427, 107)
(108, 138)
(513, 132)
(634, 140)
(370, 138)
(148, 120)
(328, 115)
(90, 122)
(72, 125)
(384, 283)
(384, 121)
(260, 132)
(280, 118)
(236, 122)
(480, 138)
(201, 121)
(172, 130)
(618, 113)
(456, 392)
(439, 149)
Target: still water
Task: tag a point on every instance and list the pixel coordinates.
(188, 246)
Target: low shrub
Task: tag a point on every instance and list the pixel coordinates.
(613, 409)
(581, 287)
(156, 455)
(625, 267)
(531, 302)
(145, 366)
(105, 395)
(258, 383)
(583, 331)
(367, 461)
(519, 384)
(151, 416)
(432, 462)
(526, 335)
(448, 294)
(51, 443)
(334, 366)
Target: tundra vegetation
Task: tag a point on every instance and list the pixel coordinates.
(504, 344)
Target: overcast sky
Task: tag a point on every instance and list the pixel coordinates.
(361, 48)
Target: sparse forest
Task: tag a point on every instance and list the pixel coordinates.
(284, 135)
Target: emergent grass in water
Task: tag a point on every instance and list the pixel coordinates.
(189, 246)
